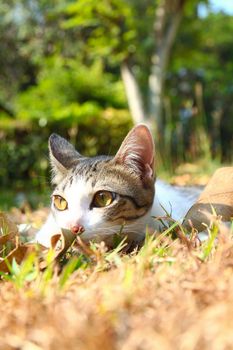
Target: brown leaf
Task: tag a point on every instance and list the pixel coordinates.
(18, 254)
(4, 239)
(9, 236)
(66, 238)
(60, 242)
(6, 225)
(217, 195)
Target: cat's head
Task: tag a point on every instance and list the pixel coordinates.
(97, 197)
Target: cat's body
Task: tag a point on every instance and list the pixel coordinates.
(102, 196)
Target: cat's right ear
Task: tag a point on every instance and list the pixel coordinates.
(63, 157)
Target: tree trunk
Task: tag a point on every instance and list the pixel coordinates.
(133, 94)
(156, 80)
(165, 30)
(167, 19)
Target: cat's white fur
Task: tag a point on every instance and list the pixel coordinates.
(173, 200)
(168, 199)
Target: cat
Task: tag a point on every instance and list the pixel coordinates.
(101, 196)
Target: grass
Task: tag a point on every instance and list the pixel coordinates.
(172, 294)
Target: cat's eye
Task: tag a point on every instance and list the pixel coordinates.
(103, 199)
(60, 203)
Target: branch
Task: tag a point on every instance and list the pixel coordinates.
(173, 15)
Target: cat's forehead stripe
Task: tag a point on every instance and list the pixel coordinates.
(86, 169)
(90, 165)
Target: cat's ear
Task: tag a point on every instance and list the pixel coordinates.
(137, 151)
(63, 157)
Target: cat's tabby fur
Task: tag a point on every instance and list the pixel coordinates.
(129, 175)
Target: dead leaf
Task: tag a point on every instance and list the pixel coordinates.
(4, 239)
(11, 244)
(6, 225)
(60, 243)
(18, 254)
(217, 195)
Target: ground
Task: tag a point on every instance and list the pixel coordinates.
(175, 293)
(172, 294)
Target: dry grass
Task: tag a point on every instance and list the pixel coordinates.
(167, 296)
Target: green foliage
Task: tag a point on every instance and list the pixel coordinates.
(72, 265)
(111, 26)
(200, 77)
(69, 91)
(24, 273)
(24, 153)
(116, 31)
(68, 99)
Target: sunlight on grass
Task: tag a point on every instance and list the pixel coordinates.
(157, 249)
(106, 297)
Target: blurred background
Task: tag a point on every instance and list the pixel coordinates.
(89, 70)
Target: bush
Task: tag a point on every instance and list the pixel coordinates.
(81, 103)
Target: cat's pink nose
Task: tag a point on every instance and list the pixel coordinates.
(77, 229)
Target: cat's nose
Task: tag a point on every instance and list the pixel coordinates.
(77, 229)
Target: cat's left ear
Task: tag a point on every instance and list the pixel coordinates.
(137, 152)
(63, 157)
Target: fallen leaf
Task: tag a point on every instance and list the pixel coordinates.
(18, 254)
(217, 195)
(6, 225)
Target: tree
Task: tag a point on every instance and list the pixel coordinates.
(29, 33)
(202, 56)
(167, 19)
(138, 36)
